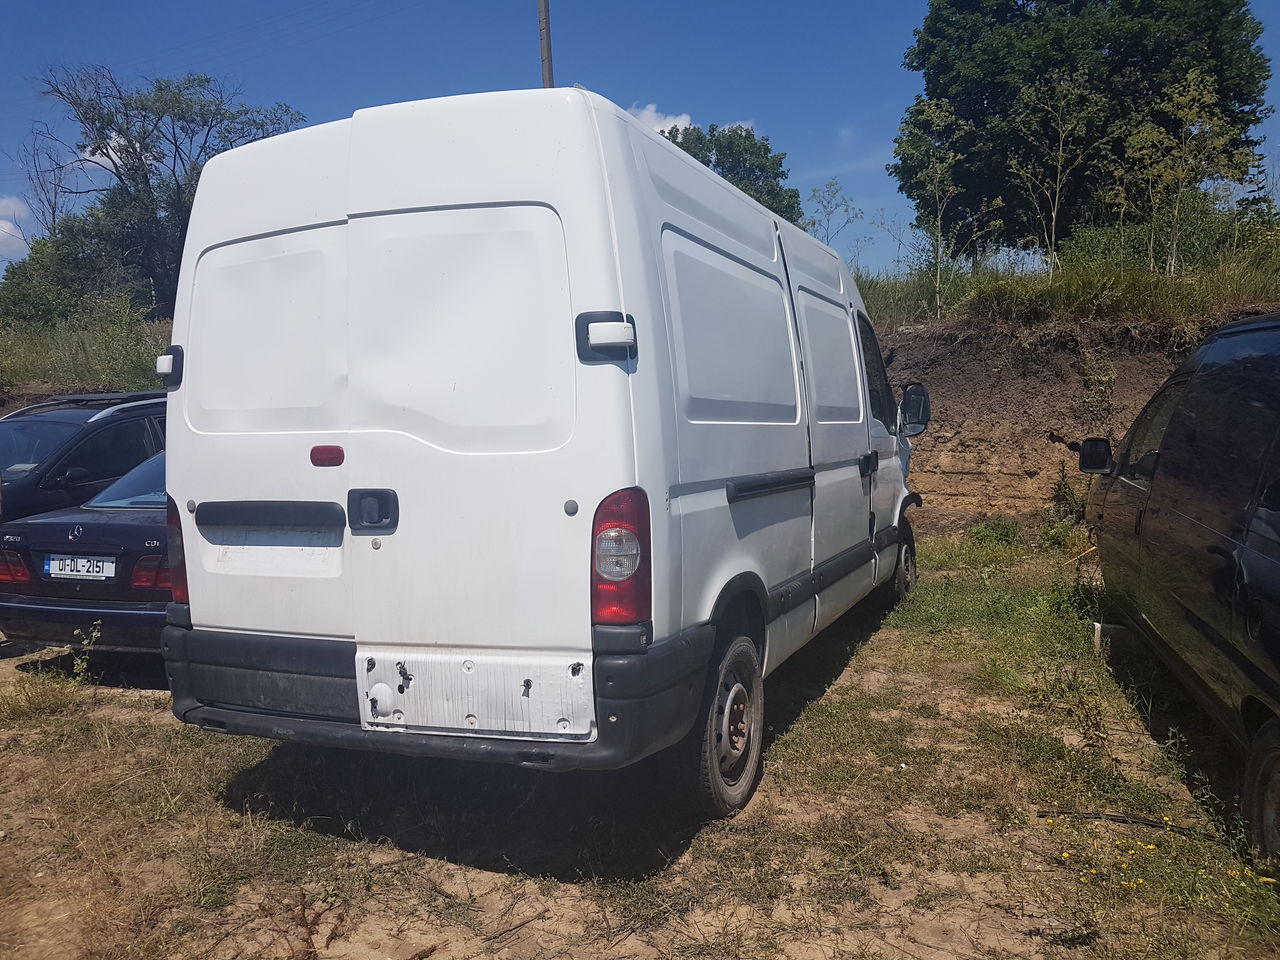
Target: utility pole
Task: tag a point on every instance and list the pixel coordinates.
(544, 31)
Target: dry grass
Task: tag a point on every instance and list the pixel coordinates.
(906, 762)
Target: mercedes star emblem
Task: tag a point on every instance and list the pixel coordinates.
(75, 532)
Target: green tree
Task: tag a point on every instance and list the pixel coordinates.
(746, 161)
(929, 144)
(1060, 124)
(1169, 159)
(833, 212)
(1123, 55)
(144, 147)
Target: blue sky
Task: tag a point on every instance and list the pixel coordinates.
(823, 79)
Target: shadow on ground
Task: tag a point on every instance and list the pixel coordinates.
(131, 671)
(1212, 761)
(619, 825)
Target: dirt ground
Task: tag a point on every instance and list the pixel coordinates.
(906, 763)
(1003, 417)
(911, 763)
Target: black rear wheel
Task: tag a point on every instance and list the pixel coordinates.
(718, 764)
(1261, 791)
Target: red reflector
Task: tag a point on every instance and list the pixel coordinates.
(13, 569)
(327, 456)
(620, 578)
(151, 573)
(177, 557)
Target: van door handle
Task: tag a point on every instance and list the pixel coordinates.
(869, 463)
(605, 336)
(373, 511)
(1137, 524)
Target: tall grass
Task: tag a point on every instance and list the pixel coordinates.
(1082, 302)
(107, 348)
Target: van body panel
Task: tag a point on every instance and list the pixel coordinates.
(425, 324)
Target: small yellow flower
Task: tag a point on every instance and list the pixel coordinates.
(1233, 873)
(1050, 820)
(1093, 871)
(1166, 820)
(1130, 853)
(1266, 879)
(1140, 880)
(1084, 879)
(1065, 855)
(1124, 866)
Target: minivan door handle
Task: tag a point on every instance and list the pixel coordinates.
(373, 511)
(869, 463)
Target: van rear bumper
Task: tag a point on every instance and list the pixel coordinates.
(304, 690)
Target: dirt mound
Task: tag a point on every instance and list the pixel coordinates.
(1003, 417)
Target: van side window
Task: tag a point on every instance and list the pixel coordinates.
(1138, 462)
(1223, 429)
(883, 407)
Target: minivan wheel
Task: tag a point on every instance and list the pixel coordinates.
(725, 742)
(1262, 791)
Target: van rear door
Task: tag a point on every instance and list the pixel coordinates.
(470, 581)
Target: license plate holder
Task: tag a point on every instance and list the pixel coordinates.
(67, 567)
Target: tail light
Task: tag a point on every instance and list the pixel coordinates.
(13, 569)
(152, 573)
(620, 579)
(177, 557)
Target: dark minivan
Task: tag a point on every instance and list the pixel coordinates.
(1187, 519)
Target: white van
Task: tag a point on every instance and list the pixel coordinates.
(501, 429)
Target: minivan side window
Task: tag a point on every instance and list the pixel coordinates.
(883, 407)
(1223, 430)
(1138, 462)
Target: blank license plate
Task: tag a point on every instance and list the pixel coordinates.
(80, 568)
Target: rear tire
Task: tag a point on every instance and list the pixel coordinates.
(1261, 791)
(718, 764)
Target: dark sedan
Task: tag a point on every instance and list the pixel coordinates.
(104, 562)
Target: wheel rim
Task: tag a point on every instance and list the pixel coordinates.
(734, 731)
(908, 568)
(1268, 812)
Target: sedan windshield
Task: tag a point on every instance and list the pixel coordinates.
(143, 486)
(25, 444)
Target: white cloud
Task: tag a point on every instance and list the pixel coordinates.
(14, 208)
(13, 243)
(652, 118)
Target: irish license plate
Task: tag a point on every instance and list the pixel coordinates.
(80, 568)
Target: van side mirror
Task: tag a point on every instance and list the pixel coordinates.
(914, 409)
(1095, 456)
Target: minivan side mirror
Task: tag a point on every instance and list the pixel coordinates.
(914, 409)
(1095, 456)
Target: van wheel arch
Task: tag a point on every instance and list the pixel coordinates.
(741, 604)
(1254, 714)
